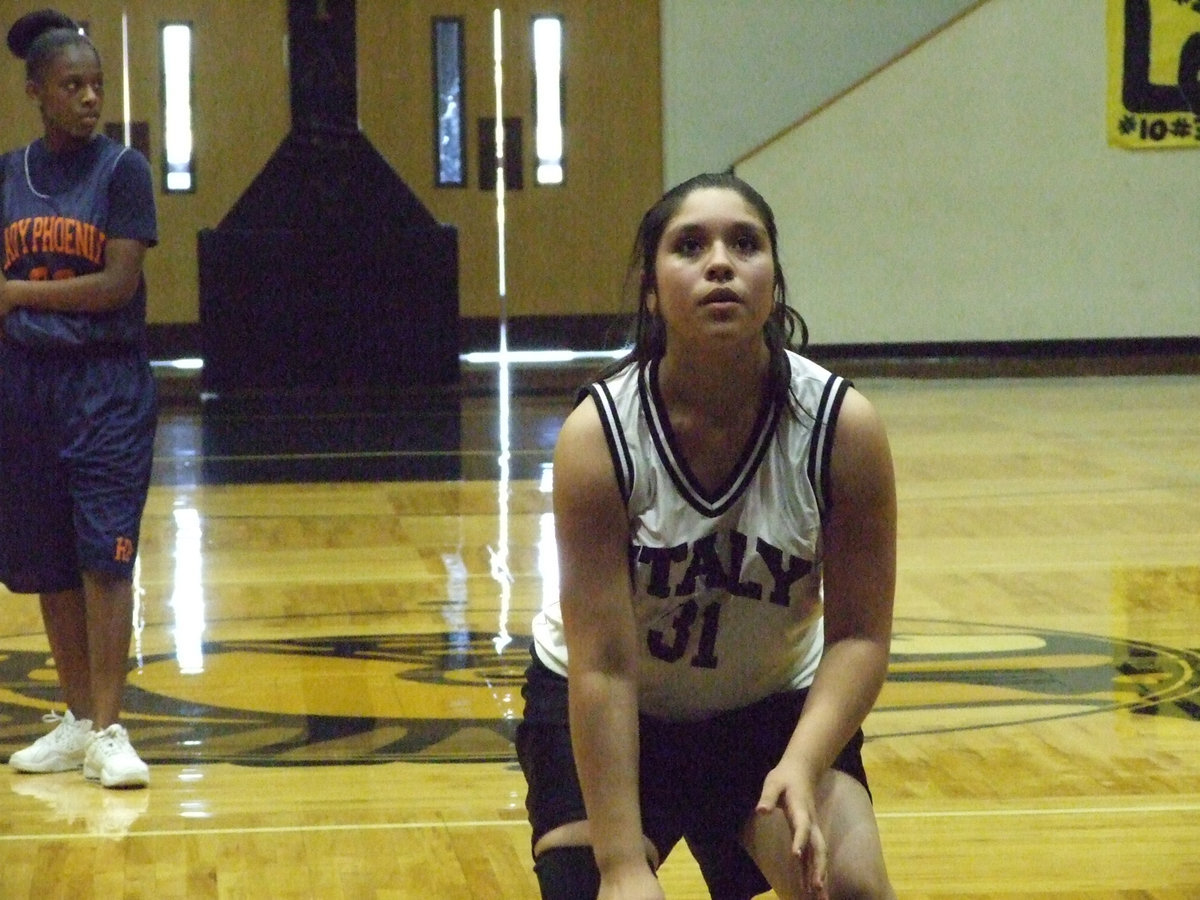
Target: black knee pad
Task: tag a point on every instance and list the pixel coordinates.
(567, 873)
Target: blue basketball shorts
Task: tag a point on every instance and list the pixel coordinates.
(76, 448)
(699, 781)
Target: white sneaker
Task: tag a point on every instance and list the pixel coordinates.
(111, 759)
(59, 751)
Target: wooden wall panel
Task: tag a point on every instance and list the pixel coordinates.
(566, 245)
(240, 109)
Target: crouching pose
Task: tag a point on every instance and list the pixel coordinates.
(725, 518)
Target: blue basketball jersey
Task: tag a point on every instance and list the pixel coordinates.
(59, 212)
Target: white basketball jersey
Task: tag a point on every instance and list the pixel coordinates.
(726, 584)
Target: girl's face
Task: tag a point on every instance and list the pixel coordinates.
(714, 268)
(70, 96)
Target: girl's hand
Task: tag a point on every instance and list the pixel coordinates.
(791, 793)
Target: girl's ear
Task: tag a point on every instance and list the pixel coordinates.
(31, 90)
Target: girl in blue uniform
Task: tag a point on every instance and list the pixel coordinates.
(726, 525)
(77, 400)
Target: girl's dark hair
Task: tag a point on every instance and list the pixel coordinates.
(785, 328)
(38, 37)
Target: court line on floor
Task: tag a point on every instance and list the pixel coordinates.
(1036, 811)
(521, 823)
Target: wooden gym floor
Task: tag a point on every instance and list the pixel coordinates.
(333, 622)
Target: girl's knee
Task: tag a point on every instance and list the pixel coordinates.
(567, 873)
(565, 864)
(862, 882)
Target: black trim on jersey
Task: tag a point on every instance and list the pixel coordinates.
(685, 481)
(821, 449)
(618, 449)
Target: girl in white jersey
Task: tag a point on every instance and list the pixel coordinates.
(725, 518)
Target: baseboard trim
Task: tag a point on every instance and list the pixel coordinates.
(1174, 355)
(175, 340)
(1015, 359)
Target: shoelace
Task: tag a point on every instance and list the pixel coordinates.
(58, 735)
(108, 742)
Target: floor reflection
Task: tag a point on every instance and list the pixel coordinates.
(75, 802)
(500, 422)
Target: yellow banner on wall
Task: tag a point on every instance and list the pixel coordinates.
(1154, 73)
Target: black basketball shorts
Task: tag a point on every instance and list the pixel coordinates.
(699, 780)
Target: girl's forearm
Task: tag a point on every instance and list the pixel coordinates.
(845, 689)
(95, 293)
(604, 734)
